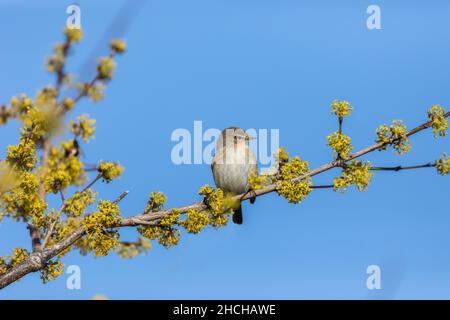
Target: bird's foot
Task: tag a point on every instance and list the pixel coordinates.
(252, 197)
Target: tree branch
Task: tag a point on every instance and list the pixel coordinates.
(398, 168)
(35, 237)
(38, 260)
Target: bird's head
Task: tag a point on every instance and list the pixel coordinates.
(233, 136)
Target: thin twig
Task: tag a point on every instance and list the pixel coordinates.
(398, 168)
(92, 183)
(327, 186)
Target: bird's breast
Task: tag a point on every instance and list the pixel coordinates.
(232, 167)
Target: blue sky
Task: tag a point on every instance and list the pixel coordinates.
(255, 64)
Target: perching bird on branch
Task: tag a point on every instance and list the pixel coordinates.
(233, 163)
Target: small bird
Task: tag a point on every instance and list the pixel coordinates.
(233, 163)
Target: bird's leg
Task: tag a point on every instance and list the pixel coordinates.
(252, 195)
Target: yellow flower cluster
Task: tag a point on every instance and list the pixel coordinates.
(164, 231)
(439, 123)
(3, 265)
(52, 270)
(22, 156)
(19, 255)
(128, 250)
(73, 34)
(151, 232)
(105, 68)
(55, 62)
(195, 221)
(63, 229)
(156, 202)
(294, 191)
(357, 173)
(95, 92)
(118, 46)
(340, 143)
(395, 135)
(56, 181)
(39, 122)
(341, 108)
(99, 238)
(213, 198)
(76, 205)
(68, 104)
(23, 201)
(20, 105)
(220, 205)
(109, 170)
(46, 97)
(64, 168)
(217, 215)
(282, 155)
(107, 216)
(16, 107)
(258, 182)
(83, 127)
(24, 180)
(167, 236)
(443, 165)
(169, 219)
(170, 237)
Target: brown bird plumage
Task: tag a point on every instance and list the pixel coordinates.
(232, 164)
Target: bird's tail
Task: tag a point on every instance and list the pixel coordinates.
(237, 215)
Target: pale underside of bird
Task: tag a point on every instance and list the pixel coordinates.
(233, 164)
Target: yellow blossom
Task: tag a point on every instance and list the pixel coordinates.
(156, 202)
(76, 205)
(68, 104)
(52, 270)
(118, 46)
(340, 143)
(169, 219)
(294, 191)
(22, 156)
(195, 221)
(109, 170)
(83, 127)
(19, 254)
(438, 121)
(443, 165)
(357, 173)
(105, 68)
(395, 135)
(341, 108)
(100, 238)
(128, 250)
(73, 34)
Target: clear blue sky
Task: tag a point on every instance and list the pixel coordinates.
(261, 64)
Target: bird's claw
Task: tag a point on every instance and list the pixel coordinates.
(252, 197)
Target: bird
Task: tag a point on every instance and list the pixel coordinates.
(232, 165)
